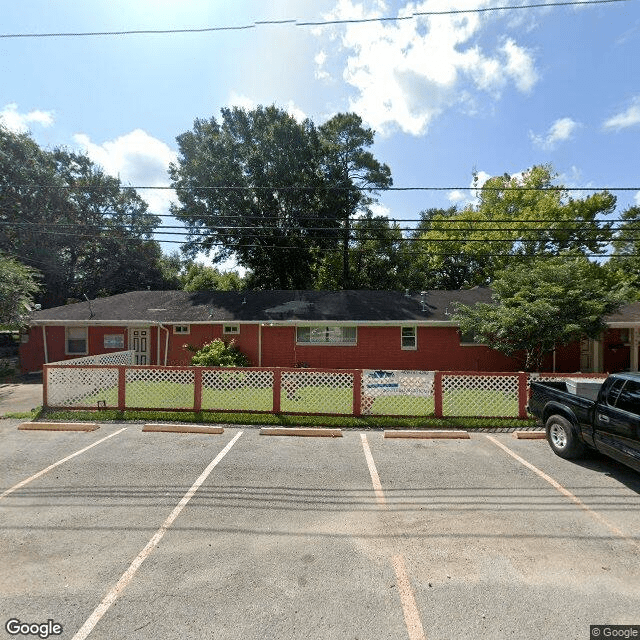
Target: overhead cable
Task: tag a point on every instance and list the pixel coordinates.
(300, 23)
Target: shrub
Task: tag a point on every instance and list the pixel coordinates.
(220, 354)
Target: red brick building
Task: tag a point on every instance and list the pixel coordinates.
(320, 329)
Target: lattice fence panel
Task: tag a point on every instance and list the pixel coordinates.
(71, 387)
(237, 390)
(397, 393)
(119, 357)
(551, 377)
(316, 392)
(480, 396)
(152, 388)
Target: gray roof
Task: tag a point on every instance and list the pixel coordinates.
(264, 306)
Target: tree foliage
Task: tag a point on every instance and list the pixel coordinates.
(353, 173)
(199, 277)
(537, 306)
(63, 215)
(625, 263)
(274, 193)
(18, 285)
(250, 186)
(515, 218)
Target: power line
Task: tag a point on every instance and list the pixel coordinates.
(299, 23)
(314, 189)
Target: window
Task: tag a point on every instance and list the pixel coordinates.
(114, 341)
(629, 399)
(76, 341)
(231, 328)
(409, 338)
(469, 338)
(336, 335)
(181, 328)
(614, 392)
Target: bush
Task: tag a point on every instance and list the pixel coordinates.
(220, 354)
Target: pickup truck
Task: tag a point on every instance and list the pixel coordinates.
(610, 424)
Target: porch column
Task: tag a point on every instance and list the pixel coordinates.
(634, 341)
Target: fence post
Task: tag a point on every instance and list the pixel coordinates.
(121, 388)
(357, 393)
(522, 394)
(277, 385)
(197, 389)
(437, 393)
(45, 385)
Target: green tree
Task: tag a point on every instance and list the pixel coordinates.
(353, 173)
(625, 262)
(18, 285)
(199, 277)
(516, 218)
(251, 186)
(537, 306)
(379, 258)
(63, 215)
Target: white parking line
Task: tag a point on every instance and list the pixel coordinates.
(115, 592)
(409, 607)
(565, 492)
(57, 464)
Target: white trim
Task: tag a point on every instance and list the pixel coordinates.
(264, 323)
(181, 333)
(415, 338)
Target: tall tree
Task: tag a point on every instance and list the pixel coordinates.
(537, 306)
(625, 262)
(18, 285)
(379, 258)
(353, 172)
(63, 215)
(516, 218)
(200, 277)
(251, 186)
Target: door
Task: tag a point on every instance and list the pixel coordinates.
(617, 422)
(139, 342)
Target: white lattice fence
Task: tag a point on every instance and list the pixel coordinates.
(237, 390)
(480, 395)
(397, 393)
(119, 357)
(81, 387)
(316, 392)
(159, 388)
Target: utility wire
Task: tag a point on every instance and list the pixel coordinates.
(299, 23)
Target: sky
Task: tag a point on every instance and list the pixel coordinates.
(490, 92)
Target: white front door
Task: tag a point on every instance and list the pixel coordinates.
(139, 342)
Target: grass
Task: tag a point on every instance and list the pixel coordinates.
(271, 419)
(34, 414)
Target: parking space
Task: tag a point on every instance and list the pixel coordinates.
(238, 535)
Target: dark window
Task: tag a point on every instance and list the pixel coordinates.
(629, 399)
(614, 392)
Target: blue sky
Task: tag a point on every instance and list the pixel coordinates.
(491, 92)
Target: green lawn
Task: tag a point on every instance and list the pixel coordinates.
(322, 400)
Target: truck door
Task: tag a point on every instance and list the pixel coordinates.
(617, 422)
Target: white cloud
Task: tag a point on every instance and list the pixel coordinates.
(408, 72)
(637, 199)
(244, 102)
(627, 118)
(456, 196)
(561, 130)
(138, 159)
(18, 122)
(320, 72)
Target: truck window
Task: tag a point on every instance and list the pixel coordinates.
(629, 398)
(614, 392)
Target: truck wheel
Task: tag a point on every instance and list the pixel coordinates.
(562, 438)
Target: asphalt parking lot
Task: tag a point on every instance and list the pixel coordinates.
(243, 536)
